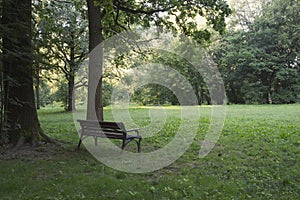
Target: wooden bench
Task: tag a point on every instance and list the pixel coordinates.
(111, 130)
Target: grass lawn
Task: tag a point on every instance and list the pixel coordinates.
(256, 157)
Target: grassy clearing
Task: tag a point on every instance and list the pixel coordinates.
(256, 157)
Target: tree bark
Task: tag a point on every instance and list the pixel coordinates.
(20, 111)
(71, 78)
(95, 105)
(71, 101)
(37, 88)
(1, 106)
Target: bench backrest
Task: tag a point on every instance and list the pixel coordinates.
(114, 130)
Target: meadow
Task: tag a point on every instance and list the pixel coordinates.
(256, 157)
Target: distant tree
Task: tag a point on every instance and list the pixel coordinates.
(234, 58)
(275, 35)
(186, 69)
(62, 39)
(154, 94)
(261, 64)
(244, 13)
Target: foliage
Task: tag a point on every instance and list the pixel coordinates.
(107, 91)
(61, 39)
(244, 13)
(275, 36)
(261, 65)
(107, 18)
(154, 94)
(45, 94)
(61, 94)
(187, 52)
(178, 16)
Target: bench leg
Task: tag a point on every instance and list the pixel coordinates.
(123, 144)
(79, 143)
(96, 142)
(80, 140)
(139, 145)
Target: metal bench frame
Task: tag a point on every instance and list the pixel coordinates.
(111, 130)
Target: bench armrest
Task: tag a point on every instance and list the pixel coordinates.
(134, 129)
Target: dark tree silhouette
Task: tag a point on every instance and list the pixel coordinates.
(21, 120)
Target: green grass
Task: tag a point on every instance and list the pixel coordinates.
(256, 157)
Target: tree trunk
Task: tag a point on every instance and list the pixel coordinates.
(95, 105)
(71, 78)
(1, 106)
(71, 101)
(196, 88)
(20, 112)
(37, 88)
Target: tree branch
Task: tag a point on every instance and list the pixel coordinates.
(119, 6)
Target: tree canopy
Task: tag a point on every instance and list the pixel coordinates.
(261, 64)
(106, 18)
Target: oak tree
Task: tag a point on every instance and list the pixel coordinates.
(21, 120)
